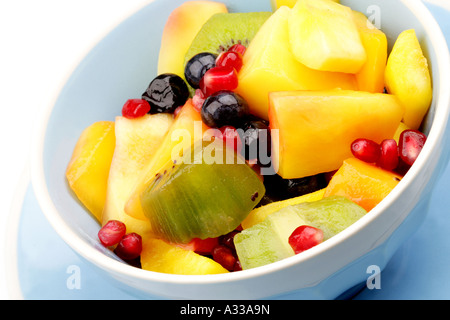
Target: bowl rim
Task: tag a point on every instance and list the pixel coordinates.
(90, 253)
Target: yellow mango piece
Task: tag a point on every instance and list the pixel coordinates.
(362, 183)
(188, 125)
(316, 128)
(408, 77)
(269, 65)
(160, 256)
(323, 36)
(88, 169)
(136, 143)
(260, 214)
(371, 76)
(180, 30)
(289, 3)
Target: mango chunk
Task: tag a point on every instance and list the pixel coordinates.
(269, 65)
(323, 36)
(408, 77)
(88, 170)
(259, 214)
(316, 128)
(160, 256)
(371, 76)
(276, 4)
(363, 183)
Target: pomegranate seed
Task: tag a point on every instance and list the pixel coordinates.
(217, 79)
(366, 150)
(389, 155)
(230, 136)
(228, 240)
(237, 266)
(224, 256)
(111, 233)
(201, 246)
(230, 59)
(239, 48)
(410, 144)
(198, 99)
(304, 238)
(129, 247)
(135, 108)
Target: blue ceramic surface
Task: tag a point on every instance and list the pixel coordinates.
(47, 267)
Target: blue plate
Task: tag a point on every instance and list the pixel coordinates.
(48, 269)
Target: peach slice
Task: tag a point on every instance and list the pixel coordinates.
(88, 170)
(181, 28)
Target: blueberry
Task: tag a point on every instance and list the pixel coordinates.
(197, 67)
(224, 108)
(282, 189)
(256, 143)
(166, 93)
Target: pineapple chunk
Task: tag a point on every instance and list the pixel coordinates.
(408, 77)
(324, 36)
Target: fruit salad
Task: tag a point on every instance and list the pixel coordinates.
(262, 135)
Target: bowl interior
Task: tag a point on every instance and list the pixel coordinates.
(119, 68)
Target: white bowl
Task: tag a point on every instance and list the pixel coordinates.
(120, 67)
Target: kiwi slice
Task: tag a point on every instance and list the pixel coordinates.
(204, 197)
(224, 30)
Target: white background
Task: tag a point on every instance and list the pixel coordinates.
(41, 42)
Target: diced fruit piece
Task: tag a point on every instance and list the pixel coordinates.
(304, 238)
(224, 108)
(259, 214)
(166, 93)
(389, 155)
(366, 150)
(256, 141)
(88, 169)
(371, 76)
(197, 67)
(135, 108)
(159, 256)
(206, 194)
(410, 145)
(316, 128)
(230, 135)
(224, 30)
(128, 163)
(289, 3)
(187, 127)
(129, 247)
(112, 232)
(225, 257)
(217, 79)
(363, 183)
(200, 246)
(269, 66)
(238, 48)
(323, 36)
(180, 30)
(268, 241)
(408, 77)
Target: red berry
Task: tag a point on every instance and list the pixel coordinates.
(410, 145)
(225, 257)
(135, 108)
(129, 247)
(230, 59)
(366, 150)
(204, 247)
(239, 48)
(111, 233)
(304, 238)
(389, 155)
(231, 137)
(217, 79)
